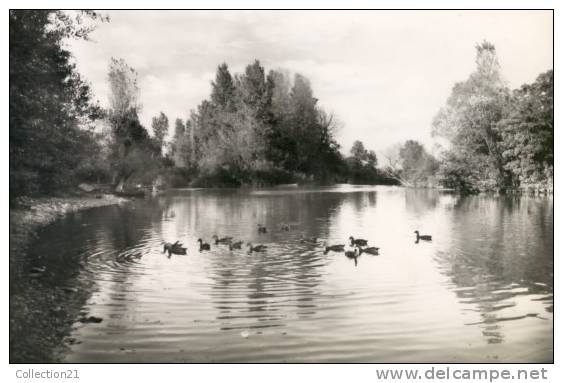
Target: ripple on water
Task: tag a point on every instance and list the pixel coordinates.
(475, 292)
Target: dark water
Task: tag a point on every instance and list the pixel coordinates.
(481, 291)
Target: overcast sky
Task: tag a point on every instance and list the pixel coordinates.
(385, 74)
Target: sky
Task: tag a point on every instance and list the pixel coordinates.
(384, 74)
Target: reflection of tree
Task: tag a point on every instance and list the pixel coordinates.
(497, 254)
(421, 201)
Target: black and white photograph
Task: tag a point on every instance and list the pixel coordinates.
(281, 186)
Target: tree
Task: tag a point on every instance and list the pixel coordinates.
(258, 129)
(304, 124)
(223, 89)
(469, 119)
(417, 164)
(182, 150)
(132, 148)
(527, 132)
(358, 151)
(160, 129)
(372, 159)
(51, 108)
(362, 164)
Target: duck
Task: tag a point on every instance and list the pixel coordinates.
(358, 242)
(423, 237)
(369, 250)
(259, 248)
(224, 240)
(174, 248)
(203, 245)
(235, 245)
(311, 240)
(335, 248)
(262, 229)
(351, 253)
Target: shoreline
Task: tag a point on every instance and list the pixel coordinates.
(41, 315)
(33, 213)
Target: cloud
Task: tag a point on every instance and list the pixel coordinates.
(384, 73)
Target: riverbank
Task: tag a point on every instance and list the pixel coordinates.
(41, 314)
(29, 214)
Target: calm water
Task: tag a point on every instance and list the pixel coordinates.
(481, 291)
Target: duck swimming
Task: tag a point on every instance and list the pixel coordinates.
(224, 240)
(358, 242)
(258, 248)
(235, 245)
(203, 245)
(370, 250)
(174, 248)
(351, 253)
(335, 248)
(423, 237)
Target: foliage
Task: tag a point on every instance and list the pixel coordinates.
(498, 138)
(258, 129)
(410, 164)
(160, 129)
(418, 166)
(51, 110)
(527, 132)
(362, 166)
(455, 173)
(132, 149)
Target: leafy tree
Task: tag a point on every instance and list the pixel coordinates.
(223, 89)
(469, 119)
(51, 106)
(358, 151)
(527, 132)
(258, 129)
(418, 166)
(282, 143)
(362, 164)
(132, 148)
(160, 129)
(455, 173)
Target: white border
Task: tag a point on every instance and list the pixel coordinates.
(262, 373)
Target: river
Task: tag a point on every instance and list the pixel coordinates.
(480, 291)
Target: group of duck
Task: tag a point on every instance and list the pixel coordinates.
(357, 246)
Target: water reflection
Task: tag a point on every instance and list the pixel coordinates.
(497, 256)
(481, 290)
(260, 290)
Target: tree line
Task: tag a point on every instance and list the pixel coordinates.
(261, 128)
(256, 128)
